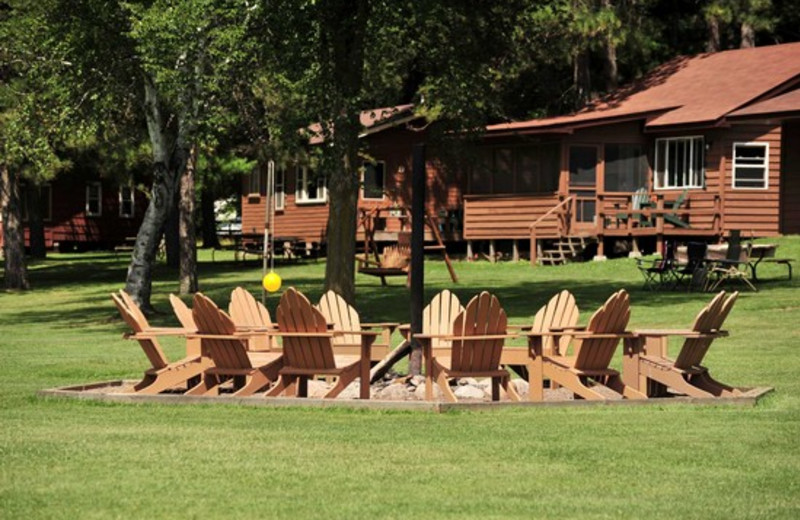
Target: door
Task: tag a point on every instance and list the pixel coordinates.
(790, 177)
(583, 161)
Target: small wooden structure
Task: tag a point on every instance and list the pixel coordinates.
(308, 350)
(652, 372)
(476, 344)
(162, 375)
(227, 348)
(396, 258)
(586, 373)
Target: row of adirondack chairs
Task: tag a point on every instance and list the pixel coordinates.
(458, 341)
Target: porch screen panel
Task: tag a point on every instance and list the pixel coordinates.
(625, 167)
(582, 165)
(503, 179)
(480, 180)
(528, 170)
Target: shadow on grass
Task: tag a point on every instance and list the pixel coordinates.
(88, 280)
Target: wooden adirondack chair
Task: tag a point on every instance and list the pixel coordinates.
(248, 313)
(587, 369)
(674, 218)
(162, 375)
(639, 200)
(437, 320)
(308, 350)
(249, 371)
(345, 319)
(651, 371)
(560, 313)
(476, 340)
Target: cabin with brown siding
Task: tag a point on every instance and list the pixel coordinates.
(85, 212)
(719, 132)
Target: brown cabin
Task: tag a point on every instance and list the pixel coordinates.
(86, 214)
(301, 197)
(719, 131)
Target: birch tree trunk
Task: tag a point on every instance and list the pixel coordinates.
(16, 274)
(167, 167)
(186, 228)
(748, 36)
(713, 43)
(209, 229)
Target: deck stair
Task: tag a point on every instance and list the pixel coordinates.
(563, 249)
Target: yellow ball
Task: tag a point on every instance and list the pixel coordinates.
(271, 281)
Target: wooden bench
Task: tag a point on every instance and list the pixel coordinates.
(783, 261)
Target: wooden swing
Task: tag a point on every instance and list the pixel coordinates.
(396, 258)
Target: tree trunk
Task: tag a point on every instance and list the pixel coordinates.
(343, 24)
(171, 234)
(167, 168)
(713, 42)
(36, 222)
(581, 78)
(748, 36)
(208, 218)
(16, 274)
(610, 67)
(186, 229)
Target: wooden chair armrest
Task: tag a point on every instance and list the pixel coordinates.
(519, 327)
(568, 328)
(242, 337)
(358, 332)
(609, 335)
(464, 338)
(686, 333)
(307, 334)
(381, 325)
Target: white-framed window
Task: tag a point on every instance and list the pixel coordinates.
(94, 199)
(280, 189)
(310, 186)
(680, 162)
(373, 179)
(126, 201)
(257, 180)
(750, 166)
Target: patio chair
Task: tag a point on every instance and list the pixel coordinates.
(249, 313)
(733, 267)
(653, 372)
(345, 319)
(659, 273)
(559, 313)
(476, 344)
(674, 218)
(586, 373)
(308, 350)
(162, 375)
(249, 371)
(695, 272)
(639, 200)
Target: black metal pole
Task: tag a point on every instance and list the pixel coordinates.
(418, 178)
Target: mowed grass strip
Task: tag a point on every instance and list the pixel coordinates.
(66, 459)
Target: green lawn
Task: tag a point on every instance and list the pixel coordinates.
(67, 459)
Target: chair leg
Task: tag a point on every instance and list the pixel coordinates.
(510, 389)
(574, 383)
(440, 378)
(711, 385)
(678, 383)
(347, 376)
(253, 384)
(281, 386)
(615, 383)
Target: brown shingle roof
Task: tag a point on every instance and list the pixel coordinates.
(369, 120)
(786, 103)
(697, 90)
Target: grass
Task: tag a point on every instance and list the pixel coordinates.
(66, 459)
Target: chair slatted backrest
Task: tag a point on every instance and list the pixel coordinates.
(561, 311)
(246, 311)
(135, 319)
(640, 199)
(227, 353)
(343, 317)
(482, 316)
(709, 319)
(438, 317)
(182, 312)
(611, 318)
(296, 315)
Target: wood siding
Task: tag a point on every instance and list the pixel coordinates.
(504, 217)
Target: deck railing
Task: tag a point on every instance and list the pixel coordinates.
(555, 223)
